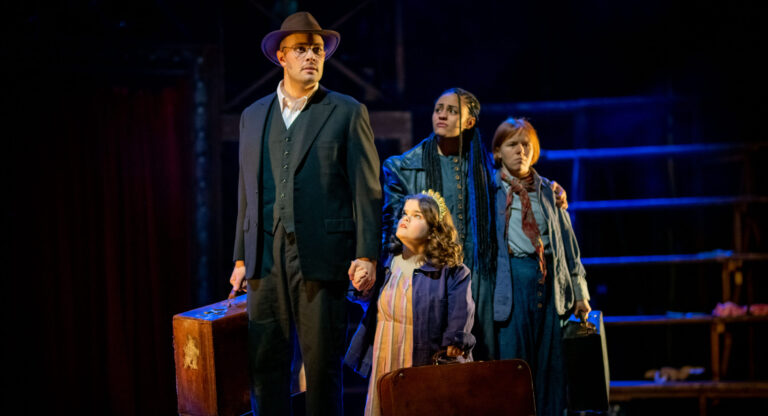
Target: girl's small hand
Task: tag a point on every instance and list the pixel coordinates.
(363, 274)
(582, 309)
(360, 273)
(361, 280)
(452, 351)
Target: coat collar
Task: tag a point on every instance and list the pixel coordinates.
(498, 183)
(426, 267)
(542, 184)
(412, 159)
(317, 112)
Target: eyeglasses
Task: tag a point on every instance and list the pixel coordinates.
(301, 50)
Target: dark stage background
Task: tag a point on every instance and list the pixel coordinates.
(123, 159)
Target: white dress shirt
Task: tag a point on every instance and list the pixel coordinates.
(289, 107)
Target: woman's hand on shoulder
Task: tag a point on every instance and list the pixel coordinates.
(561, 199)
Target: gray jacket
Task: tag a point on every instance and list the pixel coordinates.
(568, 274)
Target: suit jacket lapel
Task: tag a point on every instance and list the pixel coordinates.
(257, 118)
(317, 113)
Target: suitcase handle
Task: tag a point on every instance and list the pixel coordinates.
(441, 358)
(233, 293)
(579, 330)
(230, 300)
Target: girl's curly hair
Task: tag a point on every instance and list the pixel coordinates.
(442, 248)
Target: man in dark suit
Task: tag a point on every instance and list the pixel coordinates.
(309, 202)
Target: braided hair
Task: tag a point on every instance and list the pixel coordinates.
(477, 182)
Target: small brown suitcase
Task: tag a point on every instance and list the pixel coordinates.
(212, 360)
(480, 388)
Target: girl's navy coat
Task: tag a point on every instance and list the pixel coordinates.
(443, 313)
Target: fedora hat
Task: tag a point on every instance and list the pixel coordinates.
(299, 22)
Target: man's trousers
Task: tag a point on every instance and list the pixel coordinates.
(283, 307)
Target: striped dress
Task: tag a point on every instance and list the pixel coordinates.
(393, 343)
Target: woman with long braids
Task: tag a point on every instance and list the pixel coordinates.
(453, 161)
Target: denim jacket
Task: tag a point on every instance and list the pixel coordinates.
(568, 274)
(443, 313)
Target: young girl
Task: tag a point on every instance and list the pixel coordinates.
(422, 305)
(540, 279)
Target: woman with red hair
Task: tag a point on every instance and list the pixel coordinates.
(540, 280)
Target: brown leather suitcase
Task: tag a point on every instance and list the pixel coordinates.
(480, 388)
(212, 360)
